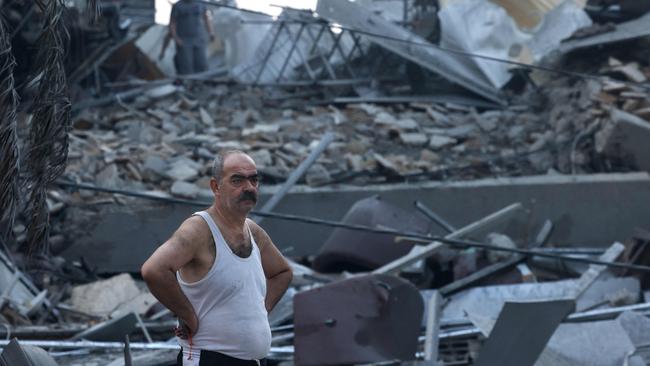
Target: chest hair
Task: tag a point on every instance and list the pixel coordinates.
(240, 243)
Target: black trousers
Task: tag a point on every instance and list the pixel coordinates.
(212, 358)
(190, 59)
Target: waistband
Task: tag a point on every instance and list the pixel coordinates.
(214, 358)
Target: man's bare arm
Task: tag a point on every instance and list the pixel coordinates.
(159, 271)
(172, 30)
(276, 269)
(208, 24)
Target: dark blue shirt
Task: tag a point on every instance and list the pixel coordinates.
(190, 28)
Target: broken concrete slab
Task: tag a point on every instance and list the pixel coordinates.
(636, 326)
(614, 291)
(573, 203)
(103, 297)
(625, 31)
(626, 137)
(489, 300)
(600, 343)
(632, 72)
(138, 305)
(521, 332)
(15, 354)
(111, 330)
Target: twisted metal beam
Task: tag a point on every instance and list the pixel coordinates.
(9, 157)
(48, 136)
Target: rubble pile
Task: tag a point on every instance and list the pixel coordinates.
(166, 138)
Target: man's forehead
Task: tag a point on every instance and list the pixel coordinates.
(238, 163)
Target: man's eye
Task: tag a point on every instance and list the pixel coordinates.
(236, 180)
(254, 179)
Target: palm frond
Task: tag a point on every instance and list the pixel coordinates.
(48, 136)
(9, 158)
(92, 10)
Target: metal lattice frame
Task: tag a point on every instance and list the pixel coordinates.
(302, 39)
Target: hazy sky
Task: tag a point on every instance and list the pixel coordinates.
(163, 7)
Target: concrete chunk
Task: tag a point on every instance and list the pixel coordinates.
(181, 172)
(205, 117)
(438, 142)
(161, 91)
(185, 189)
(414, 139)
(626, 137)
(102, 297)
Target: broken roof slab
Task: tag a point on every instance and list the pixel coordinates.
(625, 31)
(389, 36)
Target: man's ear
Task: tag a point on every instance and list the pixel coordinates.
(214, 185)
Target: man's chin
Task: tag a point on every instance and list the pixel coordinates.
(248, 203)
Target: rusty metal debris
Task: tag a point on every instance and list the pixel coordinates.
(360, 320)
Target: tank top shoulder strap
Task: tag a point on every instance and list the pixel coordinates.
(214, 229)
(256, 248)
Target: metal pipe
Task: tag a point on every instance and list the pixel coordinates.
(434, 217)
(433, 327)
(420, 252)
(605, 313)
(296, 174)
(145, 331)
(128, 361)
(111, 345)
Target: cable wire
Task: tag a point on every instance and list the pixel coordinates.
(416, 236)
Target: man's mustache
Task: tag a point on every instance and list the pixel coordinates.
(248, 196)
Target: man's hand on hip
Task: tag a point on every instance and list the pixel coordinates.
(187, 327)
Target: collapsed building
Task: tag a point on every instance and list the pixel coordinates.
(455, 182)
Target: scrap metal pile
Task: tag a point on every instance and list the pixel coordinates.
(355, 94)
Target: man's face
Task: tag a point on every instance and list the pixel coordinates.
(239, 183)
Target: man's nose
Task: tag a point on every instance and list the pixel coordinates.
(249, 184)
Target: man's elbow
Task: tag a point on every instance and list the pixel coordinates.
(288, 276)
(149, 272)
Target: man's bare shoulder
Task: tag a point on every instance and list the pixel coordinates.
(193, 231)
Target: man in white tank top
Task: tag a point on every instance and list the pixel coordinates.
(221, 274)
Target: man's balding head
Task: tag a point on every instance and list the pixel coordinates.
(220, 159)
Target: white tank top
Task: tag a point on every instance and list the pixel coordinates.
(229, 302)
